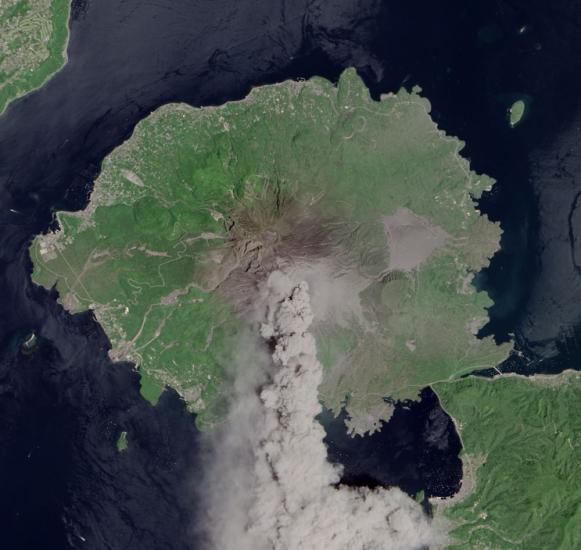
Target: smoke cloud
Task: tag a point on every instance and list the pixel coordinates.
(268, 484)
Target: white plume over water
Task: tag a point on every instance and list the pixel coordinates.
(269, 485)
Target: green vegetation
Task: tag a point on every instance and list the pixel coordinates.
(524, 436)
(368, 201)
(516, 112)
(122, 442)
(515, 107)
(33, 37)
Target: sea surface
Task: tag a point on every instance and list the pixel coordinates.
(63, 404)
(417, 450)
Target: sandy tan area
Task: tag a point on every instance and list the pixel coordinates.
(412, 239)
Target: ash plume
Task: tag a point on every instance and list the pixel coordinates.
(269, 485)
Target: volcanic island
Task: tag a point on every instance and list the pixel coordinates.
(367, 201)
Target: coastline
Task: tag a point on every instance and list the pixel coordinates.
(57, 46)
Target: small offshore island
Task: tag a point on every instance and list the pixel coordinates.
(518, 111)
(370, 203)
